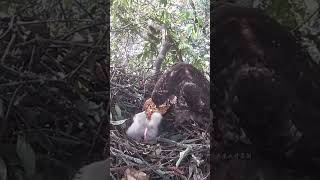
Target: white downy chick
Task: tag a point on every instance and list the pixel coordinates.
(141, 128)
(137, 128)
(151, 132)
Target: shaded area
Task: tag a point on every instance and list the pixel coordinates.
(266, 90)
(53, 87)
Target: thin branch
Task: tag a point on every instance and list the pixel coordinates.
(13, 37)
(52, 21)
(163, 50)
(5, 119)
(307, 20)
(9, 28)
(35, 81)
(70, 75)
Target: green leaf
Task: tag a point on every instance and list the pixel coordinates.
(189, 29)
(26, 156)
(165, 16)
(191, 4)
(127, 3)
(3, 170)
(185, 15)
(200, 22)
(164, 2)
(194, 33)
(67, 3)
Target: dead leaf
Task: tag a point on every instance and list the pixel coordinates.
(133, 174)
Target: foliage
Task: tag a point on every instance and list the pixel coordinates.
(301, 16)
(187, 23)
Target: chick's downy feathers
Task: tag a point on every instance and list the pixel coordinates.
(141, 128)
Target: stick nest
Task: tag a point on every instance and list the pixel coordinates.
(180, 152)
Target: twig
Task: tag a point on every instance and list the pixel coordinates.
(182, 144)
(31, 58)
(63, 11)
(13, 37)
(81, 29)
(49, 69)
(34, 81)
(121, 168)
(9, 28)
(87, 57)
(112, 176)
(307, 20)
(69, 43)
(14, 72)
(120, 85)
(52, 21)
(5, 120)
(84, 9)
(158, 171)
(96, 136)
(55, 61)
(116, 153)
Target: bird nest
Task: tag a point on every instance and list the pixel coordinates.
(52, 97)
(180, 152)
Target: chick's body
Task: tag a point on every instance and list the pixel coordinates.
(142, 128)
